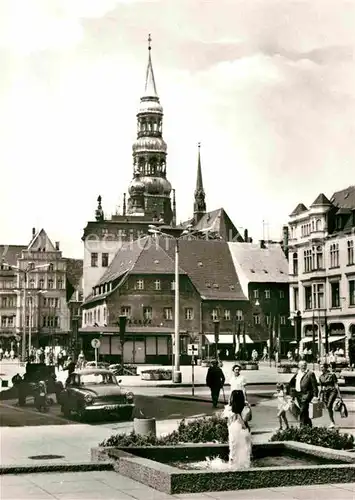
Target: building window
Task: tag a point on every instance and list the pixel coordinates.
(94, 259)
(85, 318)
(295, 299)
(295, 263)
(256, 319)
(239, 315)
(214, 314)
(282, 294)
(172, 285)
(147, 313)
(267, 319)
(32, 283)
(98, 316)
(256, 294)
(94, 315)
(104, 260)
(282, 320)
(50, 283)
(168, 313)
(267, 294)
(157, 285)
(227, 314)
(334, 255)
(317, 257)
(60, 283)
(352, 292)
(4, 302)
(335, 293)
(350, 252)
(140, 284)
(104, 313)
(125, 311)
(308, 297)
(307, 260)
(41, 283)
(318, 296)
(189, 313)
(3, 321)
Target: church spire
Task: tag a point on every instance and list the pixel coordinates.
(199, 203)
(150, 87)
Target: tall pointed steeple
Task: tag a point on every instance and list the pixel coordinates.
(149, 185)
(199, 203)
(150, 87)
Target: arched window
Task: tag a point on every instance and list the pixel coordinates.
(318, 225)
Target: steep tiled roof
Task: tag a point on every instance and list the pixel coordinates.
(299, 209)
(344, 198)
(259, 265)
(155, 257)
(321, 200)
(125, 259)
(218, 223)
(10, 253)
(210, 268)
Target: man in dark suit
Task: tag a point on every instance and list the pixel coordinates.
(303, 387)
(215, 380)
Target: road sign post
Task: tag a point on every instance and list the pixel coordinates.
(95, 343)
(192, 350)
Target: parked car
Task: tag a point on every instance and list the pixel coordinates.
(95, 391)
(27, 386)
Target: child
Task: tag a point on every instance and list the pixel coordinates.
(283, 405)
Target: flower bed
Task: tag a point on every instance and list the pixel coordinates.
(287, 368)
(316, 436)
(157, 374)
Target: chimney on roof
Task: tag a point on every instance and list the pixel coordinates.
(57, 245)
(33, 232)
(262, 244)
(246, 238)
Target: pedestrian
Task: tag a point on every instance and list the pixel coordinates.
(239, 436)
(81, 360)
(332, 360)
(254, 355)
(238, 382)
(215, 380)
(12, 354)
(304, 388)
(329, 391)
(42, 356)
(289, 356)
(264, 358)
(283, 405)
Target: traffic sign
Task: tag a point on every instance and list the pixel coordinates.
(95, 343)
(192, 349)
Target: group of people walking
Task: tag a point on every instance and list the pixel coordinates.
(299, 393)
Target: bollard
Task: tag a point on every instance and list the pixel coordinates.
(145, 426)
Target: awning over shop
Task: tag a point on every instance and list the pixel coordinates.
(228, 339)
(334, 338)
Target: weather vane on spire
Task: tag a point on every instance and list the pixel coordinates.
(149, 40)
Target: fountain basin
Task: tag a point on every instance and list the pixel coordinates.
(166, 468)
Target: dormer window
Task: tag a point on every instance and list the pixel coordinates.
(172, 285)
(157, 285)
(140, 284)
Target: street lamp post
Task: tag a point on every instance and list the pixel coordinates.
(177, 377)
(26, 272)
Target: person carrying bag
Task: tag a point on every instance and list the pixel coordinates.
(330, 392)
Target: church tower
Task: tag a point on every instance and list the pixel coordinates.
(200, 202)
(149, 191)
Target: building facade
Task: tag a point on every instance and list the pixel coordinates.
(322, 270)
(262, 269)
(33, 293)
(140, 284)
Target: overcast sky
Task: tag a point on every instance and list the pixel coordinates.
(267, 86)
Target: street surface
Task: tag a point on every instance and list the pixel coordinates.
(149, 402)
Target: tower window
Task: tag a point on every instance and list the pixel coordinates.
(104, 260)
(94, 259)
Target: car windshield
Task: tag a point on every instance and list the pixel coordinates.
(97, 378)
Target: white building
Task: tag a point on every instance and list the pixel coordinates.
(322, 269)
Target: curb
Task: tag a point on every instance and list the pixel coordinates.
(200, 399)
(56, 467)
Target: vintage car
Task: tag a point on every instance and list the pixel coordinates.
(95, 391)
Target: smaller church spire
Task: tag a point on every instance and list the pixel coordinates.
(150, 87)
(124, 204)
(199, 203)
